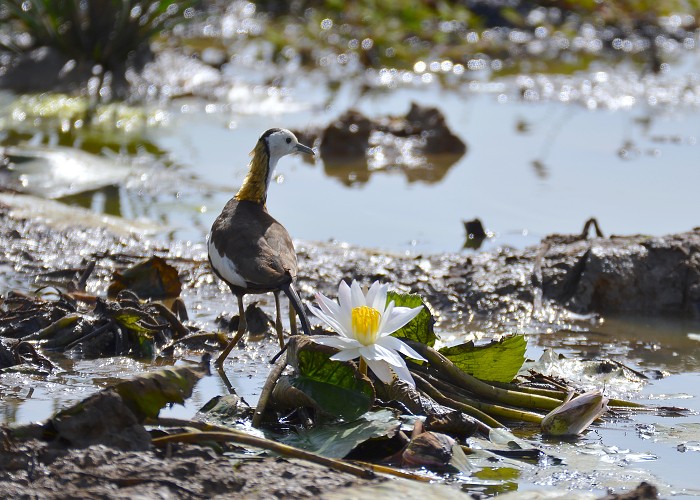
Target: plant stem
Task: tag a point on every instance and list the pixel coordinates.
(496, 411)
(363, 366)
(484, 421)
(265, 444)
(450, 371)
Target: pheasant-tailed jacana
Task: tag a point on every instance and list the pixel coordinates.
(248, 249)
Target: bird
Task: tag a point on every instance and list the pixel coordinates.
(249, 249)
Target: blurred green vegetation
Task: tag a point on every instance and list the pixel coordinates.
(110, 33)
(396, 33)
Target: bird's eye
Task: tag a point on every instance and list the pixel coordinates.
(289, 139)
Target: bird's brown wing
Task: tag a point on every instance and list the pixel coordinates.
(259, 246)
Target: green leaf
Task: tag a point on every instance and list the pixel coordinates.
(495, 362)
(129, 318)
(337, 440)
(419, 328)
(333, 385)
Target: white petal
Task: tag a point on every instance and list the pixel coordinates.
(327, 305)
(395, 344)
(344, 296)
(385, 317)
(337, 342)
(377, 352)
(381, 370)
(346, 355)
(335, 325)
(400, 316)
(371, 293)
(403, 373)
(358, 298)
(376, 297)
(345, 300)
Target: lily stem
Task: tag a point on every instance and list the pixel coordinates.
(363, 366)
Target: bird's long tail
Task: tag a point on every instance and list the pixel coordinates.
(294, 299)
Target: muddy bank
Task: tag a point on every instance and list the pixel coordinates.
(502, 286)
(562, 278)
(565, 276)
(36, 470)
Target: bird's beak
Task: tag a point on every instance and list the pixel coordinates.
(304, 149)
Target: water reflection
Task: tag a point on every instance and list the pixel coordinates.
(429, 169)
(654, 343)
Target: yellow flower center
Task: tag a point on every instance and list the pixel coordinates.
(365, 324)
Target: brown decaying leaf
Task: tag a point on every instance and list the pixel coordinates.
(153, 278)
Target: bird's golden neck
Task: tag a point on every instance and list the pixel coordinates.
(255, 184)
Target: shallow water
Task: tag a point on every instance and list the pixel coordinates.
(565, 168)
(531, 168)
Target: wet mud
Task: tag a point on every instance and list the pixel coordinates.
(562, 274)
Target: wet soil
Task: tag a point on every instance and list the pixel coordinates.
(563, 273)
(566, 277)
(183, 471)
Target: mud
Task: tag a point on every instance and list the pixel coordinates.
(564, 272)
(565, 276)
(36, 470)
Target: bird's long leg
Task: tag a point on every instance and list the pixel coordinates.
(278, 319)
(242, 326)
(292, 321)
(295, 302)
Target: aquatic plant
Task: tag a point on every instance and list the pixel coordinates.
(364, 323)
(113, 34)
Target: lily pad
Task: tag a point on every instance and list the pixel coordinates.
(495, 362)
(333, 385)
(337, 440)
(420, 328)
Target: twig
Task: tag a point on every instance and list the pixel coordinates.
(82, 280)
(383, 469)
(625, 367)
(97, 331)
(178, 327)
(275, 373)
(265, 444)
(178, 422)
(59, 324)
(204, 426)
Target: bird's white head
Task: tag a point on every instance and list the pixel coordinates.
(272, 145)
(280, 142)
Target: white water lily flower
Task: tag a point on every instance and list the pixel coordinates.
(364, 324)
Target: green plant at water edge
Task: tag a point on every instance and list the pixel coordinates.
(104, 32)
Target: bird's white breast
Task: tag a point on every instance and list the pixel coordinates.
(225, 266)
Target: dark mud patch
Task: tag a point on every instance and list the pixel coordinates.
(35, 470)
